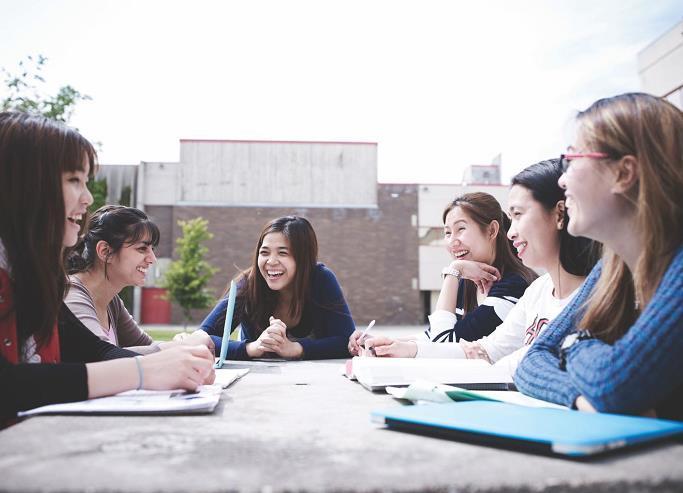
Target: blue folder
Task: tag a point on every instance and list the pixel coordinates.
(541, 430)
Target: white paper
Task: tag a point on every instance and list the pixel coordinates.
(140, 402)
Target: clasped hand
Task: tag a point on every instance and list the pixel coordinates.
(274, 340)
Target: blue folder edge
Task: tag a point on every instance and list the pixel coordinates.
(560, 431)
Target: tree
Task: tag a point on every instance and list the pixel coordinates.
(26, 94)
(98, 189)
(187, 277)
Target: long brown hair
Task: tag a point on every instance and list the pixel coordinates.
(484, 209)
(651, 130)
(34, 152)
(255, 299)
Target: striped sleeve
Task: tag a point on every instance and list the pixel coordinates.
(488, 315)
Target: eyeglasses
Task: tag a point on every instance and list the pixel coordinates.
(565, 159)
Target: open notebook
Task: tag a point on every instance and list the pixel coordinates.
(378, 373)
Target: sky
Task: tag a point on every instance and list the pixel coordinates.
(438, 84)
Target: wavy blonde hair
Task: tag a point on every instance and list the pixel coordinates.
(650, 129)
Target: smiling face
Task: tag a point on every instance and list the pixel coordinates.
(465, 238)
(534, 230)
(77, 198)
(276, 262)
(129, 265)
(591, 205)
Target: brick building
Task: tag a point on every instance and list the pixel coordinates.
(367, 232)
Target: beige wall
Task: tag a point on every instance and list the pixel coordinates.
(660, 66)
(278, 173)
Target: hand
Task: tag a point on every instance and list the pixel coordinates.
(582, 404)
(199, 338)
(483, 275)
(391, 348)
(355, 343)
(180, 367)
(274, 340)
(180, 336)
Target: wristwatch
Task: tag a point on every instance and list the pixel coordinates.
(451, 271)
(568, 342)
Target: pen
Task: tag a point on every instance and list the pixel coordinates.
(361, 339)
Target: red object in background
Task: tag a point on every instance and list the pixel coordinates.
(155, 308)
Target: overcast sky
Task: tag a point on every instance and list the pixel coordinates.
(437, 84)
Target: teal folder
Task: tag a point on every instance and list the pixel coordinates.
(542, 430)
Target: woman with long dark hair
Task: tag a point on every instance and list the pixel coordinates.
(46, 355)
(288, 304)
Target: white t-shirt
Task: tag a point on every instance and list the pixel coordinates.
(507, 345)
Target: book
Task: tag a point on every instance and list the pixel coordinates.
(378, 373)
(204, 400)
(225, 377)
(424, 391)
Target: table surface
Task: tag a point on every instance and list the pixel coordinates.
(296, 426)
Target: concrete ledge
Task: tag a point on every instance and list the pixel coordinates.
(297, 426)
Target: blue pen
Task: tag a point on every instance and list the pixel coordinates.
(227, 328)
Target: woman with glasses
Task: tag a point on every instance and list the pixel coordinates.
(617, 346)
(115, 252)
(480, 286)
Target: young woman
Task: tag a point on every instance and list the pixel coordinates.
(480, 286)
(115, 252)
(44, 167)
(538, 231)
(617, 346)
(288, 305)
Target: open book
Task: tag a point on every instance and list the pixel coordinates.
(378, 373)
(204, 400)
(424, 391)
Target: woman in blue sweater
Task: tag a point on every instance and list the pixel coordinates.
(617, 346)
(288, 305)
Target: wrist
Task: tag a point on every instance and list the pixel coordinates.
(452, 270)
(252, 349)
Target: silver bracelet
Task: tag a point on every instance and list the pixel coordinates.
(141, 374)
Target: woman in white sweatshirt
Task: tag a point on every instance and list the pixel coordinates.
(539, 234)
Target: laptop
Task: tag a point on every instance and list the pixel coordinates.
(560, 432)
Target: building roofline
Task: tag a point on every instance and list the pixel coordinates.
(242, 141)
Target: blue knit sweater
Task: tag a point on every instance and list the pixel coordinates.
(642, 370)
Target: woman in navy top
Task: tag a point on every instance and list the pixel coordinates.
(288, 305)
(617, 346)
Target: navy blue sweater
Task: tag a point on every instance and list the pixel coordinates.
(326, 319)
(643, 370)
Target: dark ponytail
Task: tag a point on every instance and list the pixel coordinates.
(117, 226)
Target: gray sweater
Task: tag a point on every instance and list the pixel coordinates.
(123, 330)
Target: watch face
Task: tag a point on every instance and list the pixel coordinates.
(569, 340)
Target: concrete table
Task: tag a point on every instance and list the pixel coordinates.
(296, 426)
